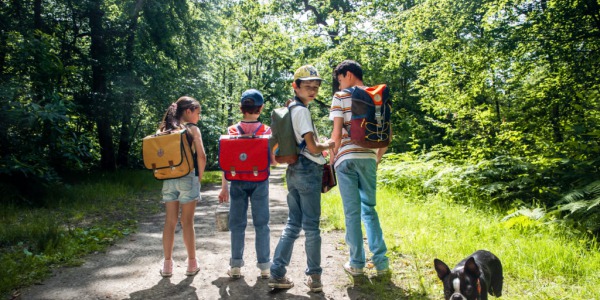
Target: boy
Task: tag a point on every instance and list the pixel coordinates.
(356, 170)
(304, 187)
(251, 105)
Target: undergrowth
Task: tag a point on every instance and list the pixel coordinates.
(86, 214)
(430, 209)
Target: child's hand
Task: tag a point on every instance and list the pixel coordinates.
(330, 143)
(224, 196)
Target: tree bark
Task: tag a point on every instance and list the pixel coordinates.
(100, 109)
(129, 96)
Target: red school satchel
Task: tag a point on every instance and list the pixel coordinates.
(245, 157)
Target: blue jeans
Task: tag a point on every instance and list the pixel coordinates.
(258, 194)
(357, 185)
(304, 204)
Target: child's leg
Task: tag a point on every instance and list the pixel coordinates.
(238, 220)
(260, 219)
(187, 225)
(172, 212)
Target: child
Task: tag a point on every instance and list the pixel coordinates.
(257, 192)
(183, 192)
(356, 169)
(304, 187)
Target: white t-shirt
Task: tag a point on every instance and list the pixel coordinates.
(303, 124)
(341, 108)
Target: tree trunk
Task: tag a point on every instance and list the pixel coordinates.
(100, 106)
(129, 96)
(37, 15)
(37, 76)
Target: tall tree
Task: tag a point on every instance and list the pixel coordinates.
(132, 82)
(100, 101)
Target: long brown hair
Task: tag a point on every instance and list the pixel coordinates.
(175, 111)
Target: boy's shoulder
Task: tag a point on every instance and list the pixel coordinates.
(345, 93)
(257, 128)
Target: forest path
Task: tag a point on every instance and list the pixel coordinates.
(129, 269)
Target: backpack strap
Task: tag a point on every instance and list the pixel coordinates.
(241, 131)
(190, 140)
(298, 102)
(349, 90)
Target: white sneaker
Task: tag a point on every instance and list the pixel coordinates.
(265, 274)
(234, 272)
(353, 271)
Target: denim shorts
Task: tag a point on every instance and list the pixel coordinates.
(185, 189)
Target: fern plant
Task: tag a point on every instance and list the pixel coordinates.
(582, 205)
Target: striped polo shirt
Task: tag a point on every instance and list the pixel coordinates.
(341, 108)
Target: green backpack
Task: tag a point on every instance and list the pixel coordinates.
(283, 140)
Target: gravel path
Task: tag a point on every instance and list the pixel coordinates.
(129, 269)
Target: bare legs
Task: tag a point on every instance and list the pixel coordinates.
(187, 225)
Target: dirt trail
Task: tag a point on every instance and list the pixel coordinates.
(129, 269)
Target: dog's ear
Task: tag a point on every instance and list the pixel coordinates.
(441, 268)
(471, 267)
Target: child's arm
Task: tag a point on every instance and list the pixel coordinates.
(273, 161)
(314, 147)
(224, 194)
(336, 134)
(201, 155)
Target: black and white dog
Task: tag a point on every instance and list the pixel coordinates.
(472, 278)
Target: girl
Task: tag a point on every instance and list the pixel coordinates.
(183, 192)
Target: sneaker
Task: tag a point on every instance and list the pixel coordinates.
(314, 283)
(280, 283)
(235, 272)
(353, 271)
(192, 268)
(265, 274)
(167, 269)
(385, 274)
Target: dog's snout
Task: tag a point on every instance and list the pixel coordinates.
(457, 297)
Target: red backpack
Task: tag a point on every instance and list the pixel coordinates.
(245, 157)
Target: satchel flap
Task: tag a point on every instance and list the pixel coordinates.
(163, 150)
(244, 154)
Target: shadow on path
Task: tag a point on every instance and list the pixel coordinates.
(129, 269)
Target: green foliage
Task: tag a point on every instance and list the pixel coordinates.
(39, 142)
(582, 206)
(504, 183)
(536, 251)
(77, 220)
(502, 94)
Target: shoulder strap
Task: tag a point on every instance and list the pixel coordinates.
(298, 103)
(190, 138)
(241, 131)
(258, 128)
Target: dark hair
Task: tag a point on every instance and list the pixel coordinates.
(298, 81)
(175, 111)
(348, 66)
(248, 107)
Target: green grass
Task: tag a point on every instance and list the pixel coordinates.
(85, 215)
(541, 261)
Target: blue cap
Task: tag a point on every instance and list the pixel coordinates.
(253, 94)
